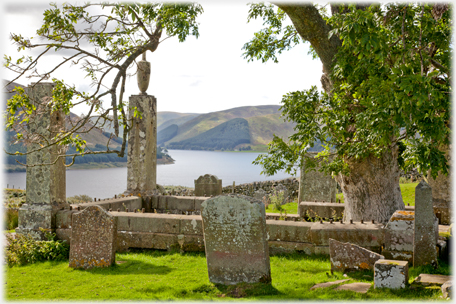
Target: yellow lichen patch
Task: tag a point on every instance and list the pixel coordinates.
(364, 266)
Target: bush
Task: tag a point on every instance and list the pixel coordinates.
(11, 218)
(23, 249)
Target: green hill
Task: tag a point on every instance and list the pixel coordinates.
(263, 122)
(165, 119)
(167, 134)
(225, 136)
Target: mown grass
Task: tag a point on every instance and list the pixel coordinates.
(160, 275)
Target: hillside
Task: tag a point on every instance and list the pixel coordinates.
(205, 122)
(165, 119)
(225, 136)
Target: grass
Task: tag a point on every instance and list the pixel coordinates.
(408, 193)
(161, 275)
(290, 208)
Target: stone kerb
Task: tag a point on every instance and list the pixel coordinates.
(208, 185)
(142, 146)
(321, 209)
(424, 244)
(93, 238)
(45, 184)
(235, 238)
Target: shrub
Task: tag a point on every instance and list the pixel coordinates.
(23, 249)
(11, 218)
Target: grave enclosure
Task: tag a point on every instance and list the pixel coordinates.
(143, 219)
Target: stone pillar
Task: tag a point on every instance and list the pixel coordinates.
(316, 186)
(45, 185)
(424, 249)
(142, 146)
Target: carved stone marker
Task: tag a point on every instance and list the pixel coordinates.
(281, 190)
(207, 185)
(142, 146)
(93, 238)
(424, 245)
(316, 186)
(346, 256)
(235, 238)
(45, 184)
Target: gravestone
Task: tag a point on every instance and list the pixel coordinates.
(424, 245)
(207, 185)
(45, 184)
(399, 234)
(93, 238)
(316, 186)
(235, 238)
(390, 274)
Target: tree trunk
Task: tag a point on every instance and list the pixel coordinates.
(371, 191)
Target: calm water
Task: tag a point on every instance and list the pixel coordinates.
(188, 166)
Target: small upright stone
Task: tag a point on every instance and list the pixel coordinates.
(207, 185)
(424, 245)
(390, 274)
(93, 238)
(235, 238)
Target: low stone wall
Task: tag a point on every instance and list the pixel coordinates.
(292, 185)
(167, 231)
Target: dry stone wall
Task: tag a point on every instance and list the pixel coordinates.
(249, 189)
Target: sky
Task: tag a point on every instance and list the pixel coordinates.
(197, 76)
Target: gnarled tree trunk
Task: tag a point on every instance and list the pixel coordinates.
(372, 191)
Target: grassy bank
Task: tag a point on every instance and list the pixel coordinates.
(160, 275)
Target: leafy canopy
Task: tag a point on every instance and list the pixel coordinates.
(391, 86)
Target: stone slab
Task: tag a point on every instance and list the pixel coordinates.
(235, 237)
(447, 290)
(279, 247)
(148, 222)
(328, 284)
(356, 287)
(346, 256)
(161, 241)
(320, 209)
(130, 202)
(191, 225)
(432, 279)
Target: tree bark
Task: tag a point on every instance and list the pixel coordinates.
(371, 191)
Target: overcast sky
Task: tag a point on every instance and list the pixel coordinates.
(199, 75)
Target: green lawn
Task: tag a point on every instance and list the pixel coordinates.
(160, 275)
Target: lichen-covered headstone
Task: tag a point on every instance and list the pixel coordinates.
(399, 234)
(93, 238)
(235, 238)
(390, 274)
(424, 245)
(207, 185)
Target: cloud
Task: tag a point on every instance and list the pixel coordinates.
(196, 83)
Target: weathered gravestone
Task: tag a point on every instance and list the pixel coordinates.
(207, 185)
(282, 192)
(399, 234)
(390, 274)
(93, 238)
(235, 238)
(424, 244)
(346, 256)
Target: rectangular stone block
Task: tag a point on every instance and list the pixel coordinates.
(191, 242)
(63, 219)
(63, 234)
(32, 217)
(154, 202)
(399, 231)
(366, 235)
(288, 231)
(390, 274)
(235, 237)
(148, 222)
(180, 203)
(199, 201)
(93, 238)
